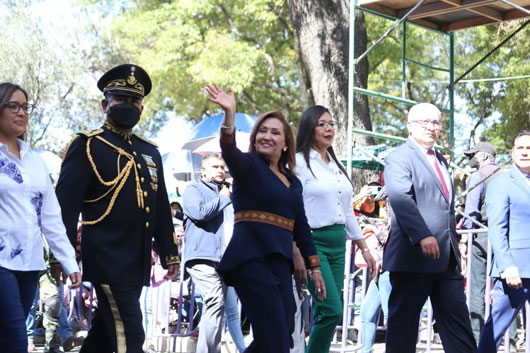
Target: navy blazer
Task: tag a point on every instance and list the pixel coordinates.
(418, 208)
(508, 210)
(257, 188)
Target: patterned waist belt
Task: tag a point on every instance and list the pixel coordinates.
(264, 217)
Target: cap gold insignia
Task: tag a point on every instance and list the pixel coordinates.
(131, 80)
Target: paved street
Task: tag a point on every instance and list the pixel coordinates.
(187, 345)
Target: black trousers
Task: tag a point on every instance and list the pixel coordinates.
(409, 293)
(117, 323)
(265, 289)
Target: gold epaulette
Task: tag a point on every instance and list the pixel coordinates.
(146, 140)
(91, 133)
(68, 147)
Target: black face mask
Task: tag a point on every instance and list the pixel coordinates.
(473, 162)
(124, 115)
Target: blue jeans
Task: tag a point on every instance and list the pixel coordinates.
(65, 330)
(17, 291)
(376, 298)
(30, 319)
(233, 322)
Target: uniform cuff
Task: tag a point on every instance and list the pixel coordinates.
(172, 260)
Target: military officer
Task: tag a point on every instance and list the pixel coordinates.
(114, 178)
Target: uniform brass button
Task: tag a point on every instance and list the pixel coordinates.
(139, 166)
(146, 224)
(145, 193)
(147, 209)
(130, 142)
(142, 179)
(134, 152)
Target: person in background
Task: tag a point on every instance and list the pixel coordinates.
(376, 298)
(422, 252)
(327, 195)
(28, 210)
(204, 205)
(482, 158)
(508, 211)
(364, 204)
(114, 179)
(176, 210)
(269, 216)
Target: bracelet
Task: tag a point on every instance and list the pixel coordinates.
(365, 250)
(223, 126)
(316, 271)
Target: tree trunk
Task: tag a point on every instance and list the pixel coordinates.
(322, 27)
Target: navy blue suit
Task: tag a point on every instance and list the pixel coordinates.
(419, 208)
(258, 259)
(507, 207)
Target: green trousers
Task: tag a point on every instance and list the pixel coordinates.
(330, 243)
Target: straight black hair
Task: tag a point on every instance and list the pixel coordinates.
(304, 135)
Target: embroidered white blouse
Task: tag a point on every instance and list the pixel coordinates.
(327, 195)
(28, 210)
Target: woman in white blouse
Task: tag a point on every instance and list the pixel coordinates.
(328, 205)
(28, 208)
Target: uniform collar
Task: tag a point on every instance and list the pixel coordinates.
(125, 134)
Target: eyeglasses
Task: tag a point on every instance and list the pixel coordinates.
(322, 124)
(437, 124)
(14, 107)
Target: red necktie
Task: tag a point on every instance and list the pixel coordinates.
(439, 172)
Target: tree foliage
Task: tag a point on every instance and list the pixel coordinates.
(499, 105)
(251, 46)
(52, 71)
(245, 44)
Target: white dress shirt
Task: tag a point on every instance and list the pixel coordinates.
(327, 194)
(443, 169)
(28, 210)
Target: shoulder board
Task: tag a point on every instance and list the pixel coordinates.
(91, 133)
(146, 140)
(68, 147)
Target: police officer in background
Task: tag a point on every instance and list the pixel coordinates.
(114, 178)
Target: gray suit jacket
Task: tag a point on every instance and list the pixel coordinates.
(419, 208)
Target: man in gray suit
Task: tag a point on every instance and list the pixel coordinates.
(421, 252)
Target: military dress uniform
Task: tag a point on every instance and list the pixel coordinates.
(114, 179)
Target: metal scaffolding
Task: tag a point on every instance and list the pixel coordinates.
(425, 16)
